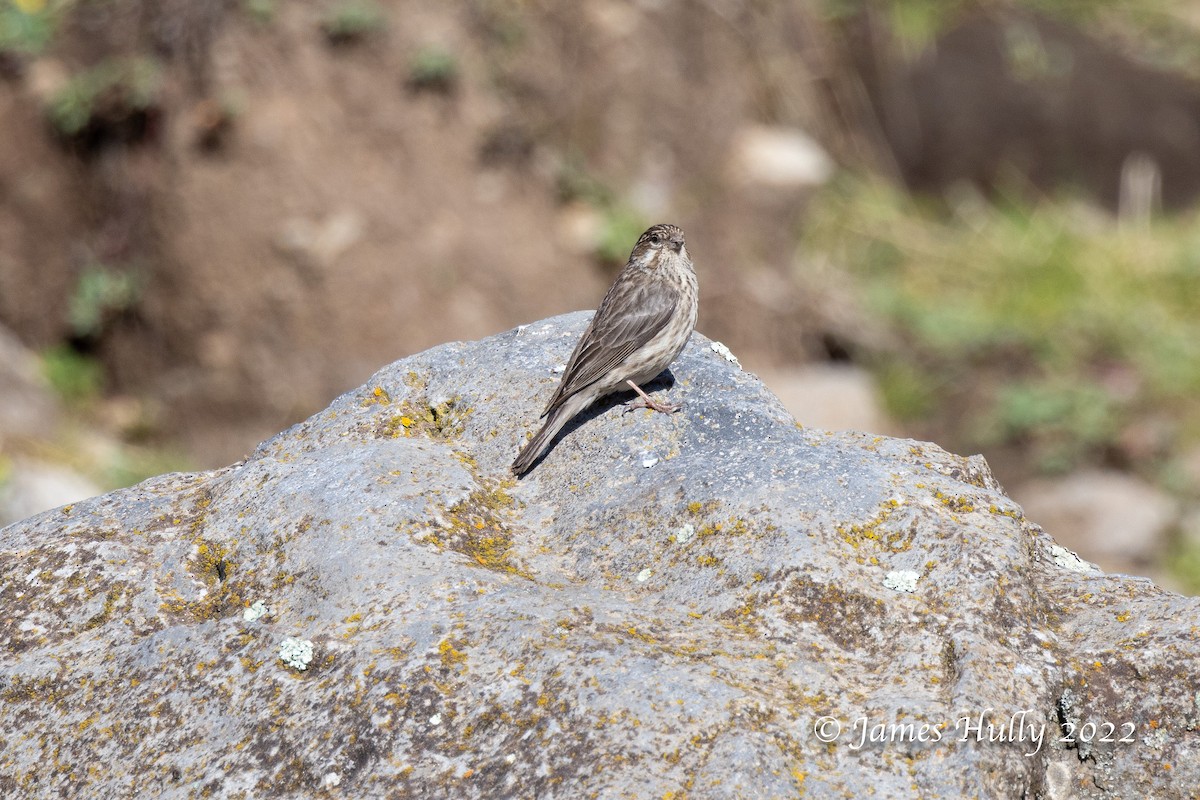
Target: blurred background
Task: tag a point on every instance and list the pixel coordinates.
(968, 222)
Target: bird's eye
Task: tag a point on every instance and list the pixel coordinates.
(655, 239)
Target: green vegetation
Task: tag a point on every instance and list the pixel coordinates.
(118, 87)
(620, 228)
(76, 378)
(620, 225)
(434, 69)
(27, 26)
(1183, 561)
(261, 11)
(1164, 30)
(1047, 326)
(100, 293)
(130, 464)
(353, 20)
(1048, 331)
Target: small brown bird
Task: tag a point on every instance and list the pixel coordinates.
(642, 324)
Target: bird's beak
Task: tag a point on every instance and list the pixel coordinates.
(677, 245)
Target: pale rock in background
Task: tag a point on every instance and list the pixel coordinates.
(34, 486)
(786, 158)
(28, 408)
(1114, 519)
(832, 397)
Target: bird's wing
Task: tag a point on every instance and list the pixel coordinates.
(630, 315)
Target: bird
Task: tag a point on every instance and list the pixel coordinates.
(642, 324)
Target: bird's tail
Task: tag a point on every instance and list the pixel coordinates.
(541, 441)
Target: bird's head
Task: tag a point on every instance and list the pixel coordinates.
(658, 239)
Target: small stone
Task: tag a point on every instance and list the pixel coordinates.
(319, 244)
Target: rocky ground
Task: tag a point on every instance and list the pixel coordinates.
(294, 201)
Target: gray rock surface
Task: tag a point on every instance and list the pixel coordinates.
(601, 628)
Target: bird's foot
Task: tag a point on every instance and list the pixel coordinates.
(644, 401)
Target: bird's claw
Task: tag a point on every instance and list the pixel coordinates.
(666, 408)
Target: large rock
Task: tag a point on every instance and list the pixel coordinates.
(666, 606)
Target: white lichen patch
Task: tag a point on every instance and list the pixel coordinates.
(685, 533)
(725, 353)
(256, 611)
(902, 580)
(644, 575)
(436, 719)
(649, 461)
(1068, 560)
(296, 653)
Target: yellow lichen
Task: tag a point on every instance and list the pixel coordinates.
(378, 396)
(955, 503)
(479, 528)
(441, 421)
(868, 532)
(452, 657)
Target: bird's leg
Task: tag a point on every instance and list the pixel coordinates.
(646, 402)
